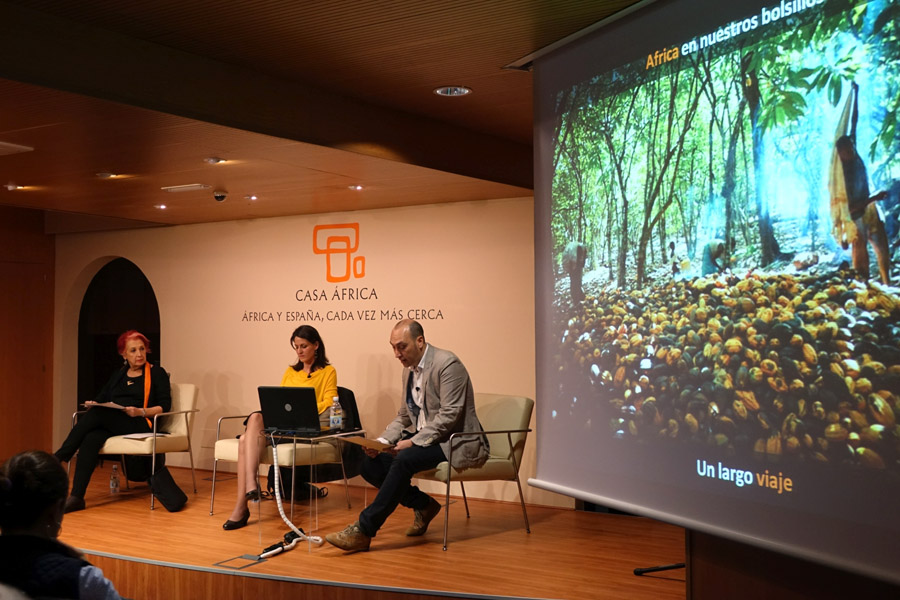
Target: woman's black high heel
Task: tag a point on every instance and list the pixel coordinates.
(320, 492)
(253, 495)
(232, 525)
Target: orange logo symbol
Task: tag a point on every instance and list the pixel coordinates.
(338, 243)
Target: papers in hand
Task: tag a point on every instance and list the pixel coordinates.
(367, 443)
(143, 436)
(91, 404)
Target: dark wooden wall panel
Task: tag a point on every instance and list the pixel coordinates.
(721, 568)
(136, 579)
(26, 331)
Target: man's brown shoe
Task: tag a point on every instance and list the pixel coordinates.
(351, 539)
(423, 518)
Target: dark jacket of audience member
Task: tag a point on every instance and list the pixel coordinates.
(33, 491)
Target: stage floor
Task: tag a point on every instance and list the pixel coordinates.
(568, 554)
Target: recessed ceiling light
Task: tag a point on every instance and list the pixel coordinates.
(160, 206)
(356, 188)
(214, 160)
(453, 91)
(106, 175)
(190, 187)
(251, 197)
(12, 187)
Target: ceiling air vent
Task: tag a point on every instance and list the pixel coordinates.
(190, 187)
(6, 148)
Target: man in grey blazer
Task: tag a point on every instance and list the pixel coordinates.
(438, 400)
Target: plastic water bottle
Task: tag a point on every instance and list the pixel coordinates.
(337, 414)
(114, 480)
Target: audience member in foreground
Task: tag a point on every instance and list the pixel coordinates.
(33, 490)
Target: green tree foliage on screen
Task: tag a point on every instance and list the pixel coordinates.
(708, 145)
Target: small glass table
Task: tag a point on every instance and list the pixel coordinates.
(305, 450)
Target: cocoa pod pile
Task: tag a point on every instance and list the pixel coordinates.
(779, 367)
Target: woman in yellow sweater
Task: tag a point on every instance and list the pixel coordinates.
(311, 370)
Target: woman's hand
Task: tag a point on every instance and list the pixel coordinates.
(134, 411)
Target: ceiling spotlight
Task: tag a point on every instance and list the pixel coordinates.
(106, 175)
(190, 187)
(356, 188)
(214, 160)
(160, 206)
(453, 91)
(12, 187)
(251, 197)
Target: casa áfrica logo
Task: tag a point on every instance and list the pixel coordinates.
(339, 242)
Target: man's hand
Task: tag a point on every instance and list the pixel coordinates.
(370, 452)
(402, 445)
(393, 450)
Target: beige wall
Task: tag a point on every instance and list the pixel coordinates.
(471, 262)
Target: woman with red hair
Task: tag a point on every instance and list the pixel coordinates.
(139, 388)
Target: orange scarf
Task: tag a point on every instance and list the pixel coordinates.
(147, 391)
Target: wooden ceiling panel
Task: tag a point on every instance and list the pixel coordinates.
(357, 48)
(386, 54)
(153, 150)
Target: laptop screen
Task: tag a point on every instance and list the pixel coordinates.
(289, 409)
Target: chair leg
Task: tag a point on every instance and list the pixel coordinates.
(191, 455)
(462, 486)
(212, 497)
(522, 502)
(293, 478)
(447, 510)
(293, 485)
(347, 492)
(519, 484)
(344, 473)
(152, 473)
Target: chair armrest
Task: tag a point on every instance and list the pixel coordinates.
(508, 433)
(475, 433)
(165, 414)
(226, 418)
(75, 416)
(176, 412)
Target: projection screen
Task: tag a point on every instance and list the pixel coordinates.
(718, 322)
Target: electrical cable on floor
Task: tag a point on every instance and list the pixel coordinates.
(296, 534)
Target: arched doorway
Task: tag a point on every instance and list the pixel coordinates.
(118, 298)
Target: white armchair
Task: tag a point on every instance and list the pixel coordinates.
(171, 433)
(505, 420)
(290, 454)
(8, 592)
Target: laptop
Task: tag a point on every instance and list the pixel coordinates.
(290, 411)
